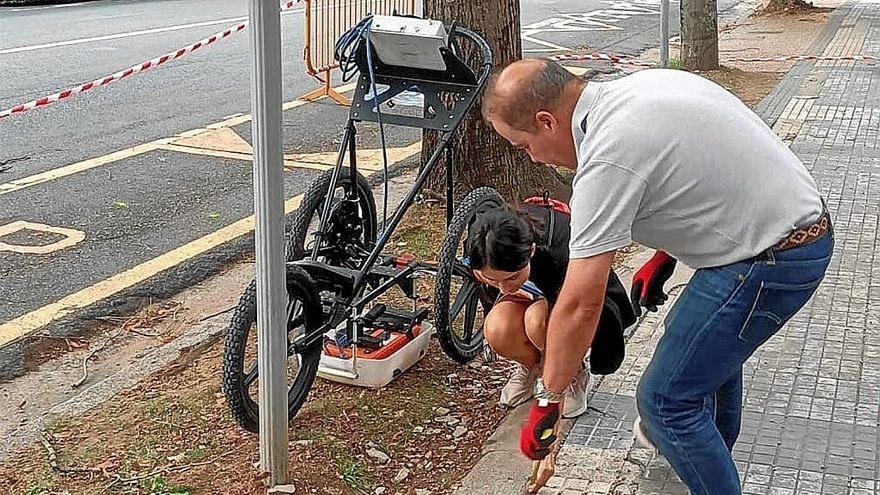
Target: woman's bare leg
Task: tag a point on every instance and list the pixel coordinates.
(536, 317)
(505, 331)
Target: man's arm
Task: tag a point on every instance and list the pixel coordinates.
(574, 319)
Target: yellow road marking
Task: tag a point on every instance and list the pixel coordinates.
(64, 171)
(222, 139)
(240, 156)
(33, 180)
(368, 159)
(71, 237)
(209, 152)
(28, 323)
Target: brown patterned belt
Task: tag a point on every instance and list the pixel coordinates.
(806, 234)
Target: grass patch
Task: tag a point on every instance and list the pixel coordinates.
(421, 232)
(157, 485)
(43, 485)
(354, 475)
(197, 454)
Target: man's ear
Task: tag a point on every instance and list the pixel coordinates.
(546, 120)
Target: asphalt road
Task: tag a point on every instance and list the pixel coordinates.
(135, 209)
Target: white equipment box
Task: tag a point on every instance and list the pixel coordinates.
(376, 373)
(409, 42)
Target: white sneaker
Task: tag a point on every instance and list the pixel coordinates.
(642, 440)
(520, 387)
(576, 394)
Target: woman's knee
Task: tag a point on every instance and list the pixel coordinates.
(499, 327)
(536, 323)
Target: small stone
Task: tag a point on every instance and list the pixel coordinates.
(418, 429)
(282, 489)
(447, 420)
(422, 491)
(459, 431)
(401, 475)
(380, 490)
(442, 411)
(378, 455)
(303, 443)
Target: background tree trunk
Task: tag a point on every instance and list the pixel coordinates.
(481, 156)
(699, 34)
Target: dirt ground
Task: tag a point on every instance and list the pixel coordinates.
(172, 434)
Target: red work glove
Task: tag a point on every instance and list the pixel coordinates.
(539, 431)
(647, 285)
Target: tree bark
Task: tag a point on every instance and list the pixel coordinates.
(699, 34)
(482, 157)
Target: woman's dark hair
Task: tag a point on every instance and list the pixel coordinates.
(502, 238)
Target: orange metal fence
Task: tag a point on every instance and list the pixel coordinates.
(326, 22)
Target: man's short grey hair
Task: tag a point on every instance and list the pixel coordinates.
(542, 91)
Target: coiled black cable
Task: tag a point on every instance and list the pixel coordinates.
(345, 53)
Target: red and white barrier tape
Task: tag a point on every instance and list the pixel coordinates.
(572, 57)
(135, 69)
(621, 60)
(845, 58)
(149, 64)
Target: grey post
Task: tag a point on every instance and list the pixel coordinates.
(265, 33)
(664, 33)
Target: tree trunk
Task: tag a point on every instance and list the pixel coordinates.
(482, 157)
(699, 34)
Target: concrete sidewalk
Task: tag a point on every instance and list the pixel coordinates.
(812, 393)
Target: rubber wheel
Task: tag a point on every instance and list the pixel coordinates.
(355, 226)
(457, 296)
(240, 356)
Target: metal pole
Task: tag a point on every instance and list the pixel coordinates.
(265, 22)
(664, 33)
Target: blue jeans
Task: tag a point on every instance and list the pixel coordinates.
(690, 397)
